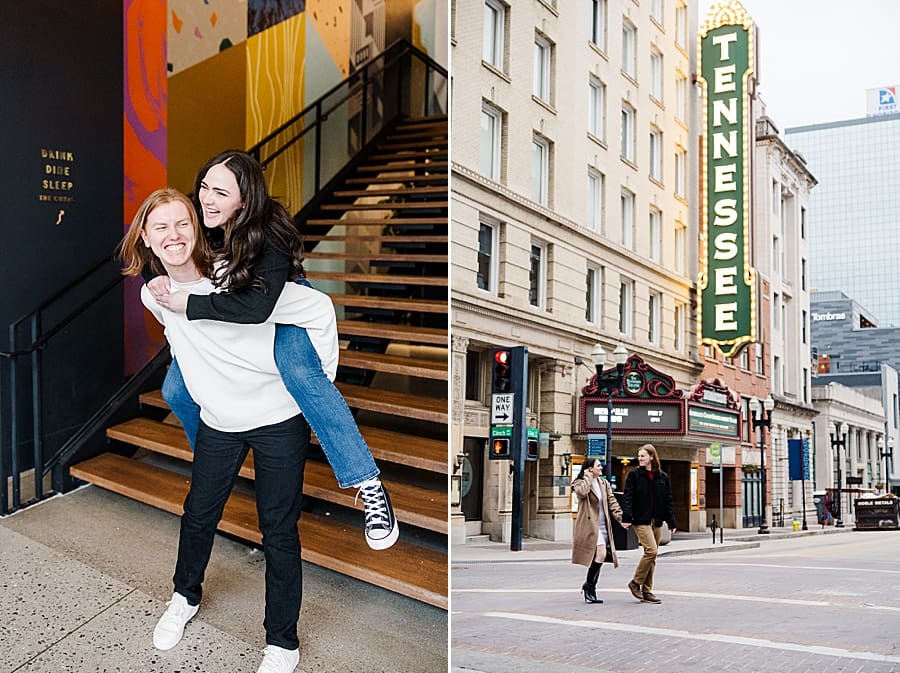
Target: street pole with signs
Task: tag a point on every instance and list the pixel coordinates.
(715, 451)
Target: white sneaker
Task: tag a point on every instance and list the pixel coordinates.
(278, 660)
(381, 524)
(170, 626)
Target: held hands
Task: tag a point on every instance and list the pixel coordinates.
(159, 287)
(174, 301)
(626, 525)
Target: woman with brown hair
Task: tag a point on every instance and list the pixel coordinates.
(647, 502)
(592, 541)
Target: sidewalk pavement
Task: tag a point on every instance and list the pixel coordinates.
(682, 544)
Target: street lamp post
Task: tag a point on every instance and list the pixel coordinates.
(609, 382)
(839, 442)
(762, 418)
(884, 454)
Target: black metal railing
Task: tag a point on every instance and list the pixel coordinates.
(402, 81)
(22, 414)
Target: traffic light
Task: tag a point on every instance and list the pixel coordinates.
(532, 453)
(502, 375)
(500, 447)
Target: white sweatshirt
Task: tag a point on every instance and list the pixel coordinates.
(230, 370)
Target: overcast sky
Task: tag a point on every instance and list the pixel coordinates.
(818, 57)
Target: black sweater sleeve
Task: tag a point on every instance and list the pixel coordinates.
(248, 306)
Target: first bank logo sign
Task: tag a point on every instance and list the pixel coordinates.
(887, 100)
(727, 282)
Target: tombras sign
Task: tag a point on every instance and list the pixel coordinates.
(727, 282)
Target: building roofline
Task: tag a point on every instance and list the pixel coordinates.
(846, 122)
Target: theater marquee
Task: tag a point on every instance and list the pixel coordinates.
(727, 282)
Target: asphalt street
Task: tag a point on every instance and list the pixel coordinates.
(816, 604)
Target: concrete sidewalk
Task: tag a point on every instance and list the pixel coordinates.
(85, 576)
(535, 550)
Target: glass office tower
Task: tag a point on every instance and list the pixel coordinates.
(854, 219)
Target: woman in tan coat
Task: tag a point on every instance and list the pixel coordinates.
(592, 541)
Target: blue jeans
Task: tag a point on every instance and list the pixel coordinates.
(322, 405)
(279, 456)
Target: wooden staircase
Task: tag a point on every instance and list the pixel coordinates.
(378, 246)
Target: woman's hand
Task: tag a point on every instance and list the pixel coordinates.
(174, 301)
(626, 525)
(159, 287)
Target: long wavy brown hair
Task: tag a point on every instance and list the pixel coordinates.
(135, 254)
(261, 221)
(655, 465)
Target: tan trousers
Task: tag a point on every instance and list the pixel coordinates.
(648, 536)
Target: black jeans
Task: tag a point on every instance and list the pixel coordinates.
(279, 456)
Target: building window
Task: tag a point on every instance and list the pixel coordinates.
(656, 11)
(776, 375)
(656, 75)
(628, 121)
(656, 155)
(803, 316)
(681, 173)
(629, 49)
(543, 51)
(655, 235)
(487, 266)
(803, 223)
(490, 142)
(681, 98)
(598, 23)
(681, 25)
(540, 169)
(744, 359)
(802, 274)
(537, 275)
(474, 376)
(494, 33)
(678, 336)
(597, 109)
(680, 247)
(592, 295)
(760, 364)
(776, 311)
(654, 308)
(626, 306)
(805, 384)
(594, 215)
(627, 213)
(776, 253)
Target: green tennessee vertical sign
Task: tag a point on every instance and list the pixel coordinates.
(727, 281)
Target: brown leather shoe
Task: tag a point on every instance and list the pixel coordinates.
(650, 598)
(635, 590)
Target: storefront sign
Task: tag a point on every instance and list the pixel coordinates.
(649, 416)
(713, 421)
(727, 282)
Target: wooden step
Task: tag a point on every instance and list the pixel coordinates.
(403, 165)
(387, 205)
(398, 221)
(412, 504)
(398, 333)
(386, 446)
(387, 191)
(433, 133)
(377, 278)
(387, 179)
(396, 257)
(361, 301)
(399, 145)
(408, 569)
(394, 403)
(385, 240)
(395, 364)
(361, 397)
(411, 154)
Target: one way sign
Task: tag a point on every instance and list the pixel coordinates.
(502, 408)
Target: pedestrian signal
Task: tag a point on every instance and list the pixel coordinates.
(500, 448)
(502, 380)
(532, 453)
